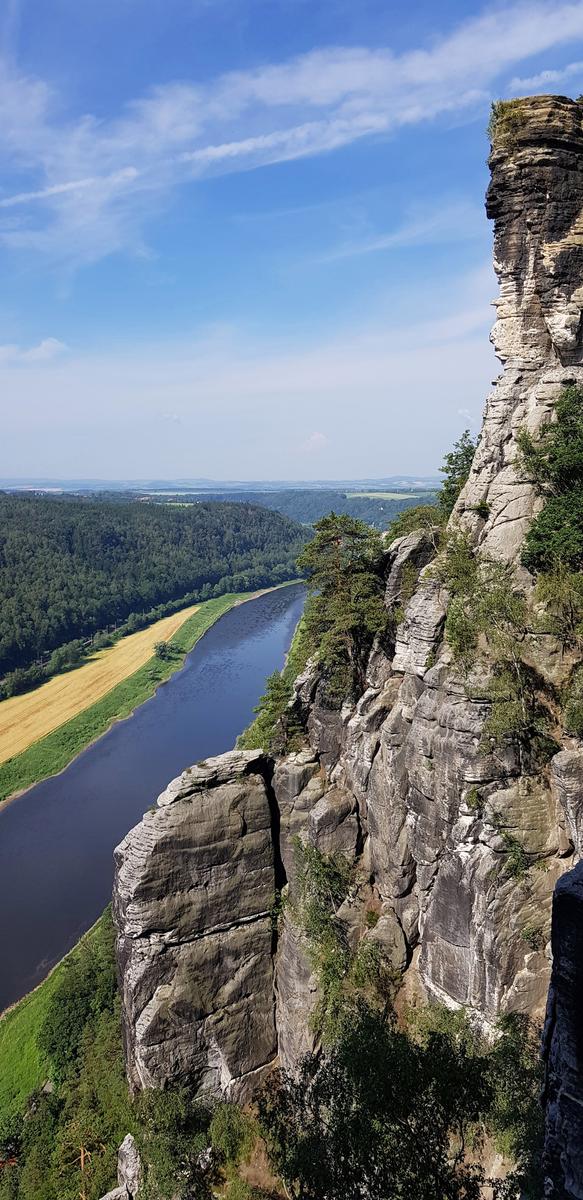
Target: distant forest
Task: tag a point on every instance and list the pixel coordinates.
(70, 567)
(311, 504)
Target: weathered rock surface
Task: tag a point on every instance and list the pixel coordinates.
(129, 1172)
(195, 883)
(563, 1044)
(401, 781)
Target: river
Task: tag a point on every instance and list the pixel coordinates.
(56, 840)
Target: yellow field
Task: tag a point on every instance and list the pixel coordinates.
(25, 719)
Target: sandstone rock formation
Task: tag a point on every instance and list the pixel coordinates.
(195, 882)
(129, 1172)
(400, 781)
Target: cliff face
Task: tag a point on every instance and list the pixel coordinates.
(392, 780)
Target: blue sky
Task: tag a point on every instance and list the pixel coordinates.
(246, 238)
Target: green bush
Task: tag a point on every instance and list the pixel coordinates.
(573, 713)
(386, 1113)
(87, 987)
(345, 609)
(554, 462)
(232, 1133)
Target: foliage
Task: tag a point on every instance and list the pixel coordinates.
(51, 754)
(86, 986)
(70, 567)
(573, 712)
(387, 1114)
(344, 976)
(232, 1133)
(345, 609)
(560, 593)
(276, 727)
(173, 1134)
(517, 861)
(554, 462)
(505, 122)
(488, 615)
(163, 650)
(456, 468)
(308, 505)
(322, 884)
(427, 517)
(515, 1076)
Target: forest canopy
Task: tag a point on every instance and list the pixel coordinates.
(70, 567)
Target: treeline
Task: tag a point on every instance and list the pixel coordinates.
(70, 568)
(311, 504)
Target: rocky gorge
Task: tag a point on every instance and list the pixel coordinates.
(457, 838)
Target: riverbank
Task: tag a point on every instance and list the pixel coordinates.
(27, 718)
(24, 1067)
(51, 754)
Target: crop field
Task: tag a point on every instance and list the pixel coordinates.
(27, 718)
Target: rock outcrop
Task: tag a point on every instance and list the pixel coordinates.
(399, 781)
(129, 1172)
(195, 883)
(563, 1044)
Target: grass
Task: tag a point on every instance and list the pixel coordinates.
(23, 1067)
(28, 718)
(52, 753)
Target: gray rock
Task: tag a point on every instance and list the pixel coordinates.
(563, 1045)
(129, 1166)
(194, 885)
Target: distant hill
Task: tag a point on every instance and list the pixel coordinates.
(377, 508)
(71, 566)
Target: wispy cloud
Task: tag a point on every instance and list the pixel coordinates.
(94, 184)
(289, 404)
(448, 222)
(12, 355)
(545, 79)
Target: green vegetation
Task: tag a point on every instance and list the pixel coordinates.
(308, 505)
(554, 462)
(456, 468)
(344, 976)
(573, 711)
(391, 1113)
(505, 123)
(52, 753)
(276, 727)
(432, 518)
(64, 1141)
(71, 567)
(345, 609)
(487, 616)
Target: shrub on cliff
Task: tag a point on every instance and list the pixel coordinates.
(345, 609)
(554, 463)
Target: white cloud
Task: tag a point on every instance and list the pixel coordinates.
(315, 443)
(47, 349)
(386, 394)
(545, 79)
(94, 184)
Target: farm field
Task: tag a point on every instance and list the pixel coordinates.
(27, 718)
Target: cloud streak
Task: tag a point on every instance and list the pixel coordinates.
(95, 184)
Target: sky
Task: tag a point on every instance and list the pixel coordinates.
(246, 239)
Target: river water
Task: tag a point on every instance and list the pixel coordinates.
(56, 840)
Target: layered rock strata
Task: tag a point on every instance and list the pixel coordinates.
(400, 781)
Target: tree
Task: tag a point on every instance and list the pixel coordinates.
(345, 608)
(456, 469)
(162, 650)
